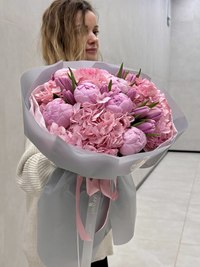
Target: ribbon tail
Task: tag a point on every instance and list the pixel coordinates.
(92, 186)
(109, 188)
(91, 219)
(81, 230)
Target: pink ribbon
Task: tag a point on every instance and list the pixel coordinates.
(107, 187)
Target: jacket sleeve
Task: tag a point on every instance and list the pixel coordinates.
(33, 169)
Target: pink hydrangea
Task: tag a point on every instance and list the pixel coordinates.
(134, 141)
(58, 131)
(44, 93)
(95, 128)
(164, 127)
(59, 112)
(98, 77)
(146, 91)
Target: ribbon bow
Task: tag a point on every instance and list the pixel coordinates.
(107, 187)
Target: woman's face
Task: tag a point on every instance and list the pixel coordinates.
(91, 27)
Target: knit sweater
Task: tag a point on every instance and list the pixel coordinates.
(32, 173)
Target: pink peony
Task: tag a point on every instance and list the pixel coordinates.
(119, 85)
(131, 93)
(86, 92)
(59, 112)
(61, 73)
(119, 103)
(134, 141)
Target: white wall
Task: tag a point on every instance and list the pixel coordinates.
(185, 68)
(136, 33)
(133, 32)
(19, 25)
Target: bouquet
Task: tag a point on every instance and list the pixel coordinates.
(96, 122)
(95, 110)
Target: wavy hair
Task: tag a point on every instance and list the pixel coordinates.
(60, 38)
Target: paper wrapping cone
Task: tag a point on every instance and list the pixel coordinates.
(57, 233)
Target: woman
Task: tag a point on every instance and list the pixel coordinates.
(69, 32)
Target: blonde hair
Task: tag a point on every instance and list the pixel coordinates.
(60, 38)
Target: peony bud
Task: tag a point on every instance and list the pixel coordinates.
(120, 103)
(64, 83)
(141, 112)
(131, 93)
(59, 112)
(154, 113)
(134, 141)
(130, 78)
(68, 97)
(86, 92)
(147, 127)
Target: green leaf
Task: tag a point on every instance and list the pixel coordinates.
(153, 105)
(55, 96)
(119, 74)
(139, 122)
(125, 75)
(110, 85)
(132, 84)
(144, 104)
(138, 74)
(72, 78)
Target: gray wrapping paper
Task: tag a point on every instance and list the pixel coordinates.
(57, 233)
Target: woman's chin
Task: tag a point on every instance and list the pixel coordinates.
(92, 57)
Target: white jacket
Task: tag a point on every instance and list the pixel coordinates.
(32, 173)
